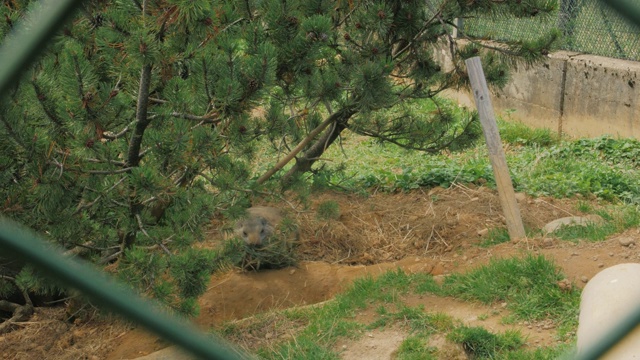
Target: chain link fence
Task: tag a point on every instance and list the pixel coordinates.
(586, 26)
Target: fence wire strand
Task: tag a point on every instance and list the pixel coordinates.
(586, 26)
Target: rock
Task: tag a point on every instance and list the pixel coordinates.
(564, 285)
(584, 279)
(483, 232)
(626, 241)
(547, 242)
(572, 221)
(521, 197)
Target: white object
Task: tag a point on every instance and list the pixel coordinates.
(606, 300)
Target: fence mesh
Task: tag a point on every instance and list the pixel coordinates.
(586, 26)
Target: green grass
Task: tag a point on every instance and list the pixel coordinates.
(495, 236)
(517, 133)
(528, 285)
(540, 163)
(415, 348)
(616, 220)
(482, 344)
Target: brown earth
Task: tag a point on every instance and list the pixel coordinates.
(434, 231)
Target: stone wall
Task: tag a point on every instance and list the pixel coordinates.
(574, 94)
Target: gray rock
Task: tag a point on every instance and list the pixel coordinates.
(626, 241)
(572, 221)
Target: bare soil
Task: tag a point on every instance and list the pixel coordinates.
(436, 231)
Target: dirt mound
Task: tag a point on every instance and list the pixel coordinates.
(421, 231)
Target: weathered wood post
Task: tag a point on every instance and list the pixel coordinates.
(496, 153)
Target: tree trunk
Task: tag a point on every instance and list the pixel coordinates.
(315, 151)
(133, 157)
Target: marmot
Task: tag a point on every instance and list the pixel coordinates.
(258, 225)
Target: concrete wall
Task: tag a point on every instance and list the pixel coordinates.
(577, 95)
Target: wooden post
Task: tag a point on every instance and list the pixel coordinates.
(459, 26)
(496, 153)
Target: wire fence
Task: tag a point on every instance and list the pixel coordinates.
(17, 241)
(586, 26)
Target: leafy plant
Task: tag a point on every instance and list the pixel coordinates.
(495, 236)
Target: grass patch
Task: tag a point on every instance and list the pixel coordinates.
(495, 236)
(618, 219)
(517, 133)
(415, 348)
(482, 344)
(541, 164)
(527, 285)
(328, 210)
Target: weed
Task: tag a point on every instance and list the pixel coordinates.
(585, 206)
(328, 210)
(483, 344)
(495, 236)
(415, 347)
(517, 133)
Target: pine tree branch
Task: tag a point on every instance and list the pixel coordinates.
(141, 227)
(315, 132)
(25, 294)
(206, 119)
(108, 172)
(111, 257)
(98, 161)
(111, 136)
(83, 205)
(48, 110)
(12, 133)
(303, 164)
(83, 97)
(205, 79)
(142, 120)
(452, 42)
(92, 160)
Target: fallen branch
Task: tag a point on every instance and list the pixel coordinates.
(297, 149)
(20, 312)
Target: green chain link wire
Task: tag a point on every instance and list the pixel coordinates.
(30, 37)
(17, 52)
(17, 241)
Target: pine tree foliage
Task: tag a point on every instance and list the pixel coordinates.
(135, 126)
(353, 60)
(129, 131)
